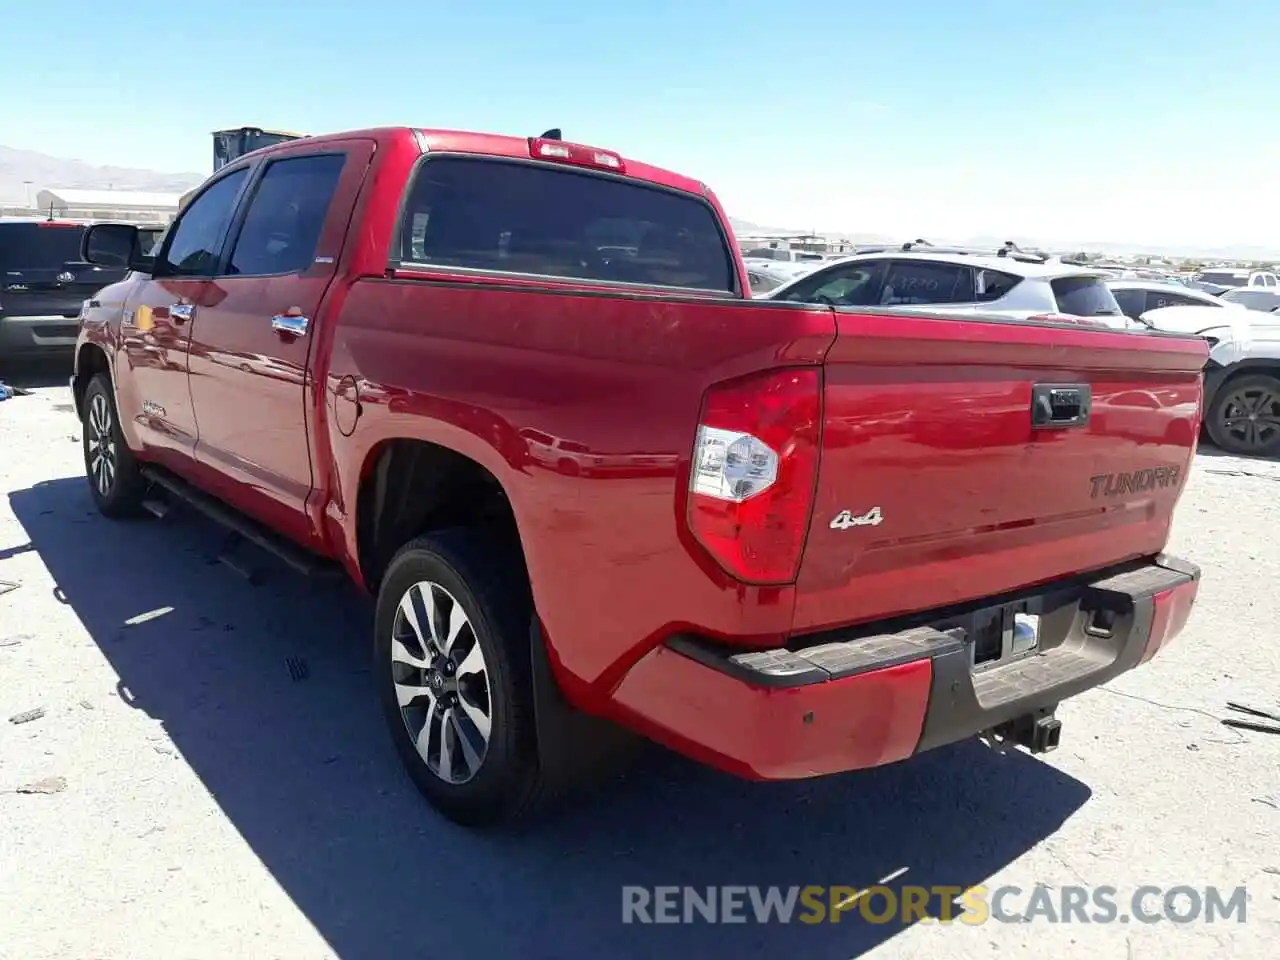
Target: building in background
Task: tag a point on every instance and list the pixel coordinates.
(793, 246)
(108, 205)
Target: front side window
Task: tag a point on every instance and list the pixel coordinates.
(1134, 303)
(289, 206)
(527, 218)
(760, 282)
(196, 244)
(848, 285)
(927, 282)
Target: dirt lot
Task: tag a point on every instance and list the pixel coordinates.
(220, 785)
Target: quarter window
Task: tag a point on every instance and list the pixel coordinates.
(991, 285)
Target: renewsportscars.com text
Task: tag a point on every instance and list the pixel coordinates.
(937, 904)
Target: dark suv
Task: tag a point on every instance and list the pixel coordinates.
(43, 281)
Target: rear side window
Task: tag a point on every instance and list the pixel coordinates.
(1084, 297)
(926, 282)
(39, 246)
(532, 219)
(286, 215)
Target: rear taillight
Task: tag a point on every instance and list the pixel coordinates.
(755, 463)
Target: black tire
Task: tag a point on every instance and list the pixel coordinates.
(115, 481)
(485, 575)
(1235, 418)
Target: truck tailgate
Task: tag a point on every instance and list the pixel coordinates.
(935, 486)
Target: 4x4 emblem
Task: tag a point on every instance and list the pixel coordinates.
(846, 519)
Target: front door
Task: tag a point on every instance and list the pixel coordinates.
(250, 352)
(157, 323)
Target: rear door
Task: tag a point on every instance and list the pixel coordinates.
(949, 490)
(250, 348)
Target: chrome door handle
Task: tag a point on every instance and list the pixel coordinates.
(180, 312)
(292, 324)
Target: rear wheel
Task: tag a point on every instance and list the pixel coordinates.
(454, 677)
(1244, 417)
(115, 481)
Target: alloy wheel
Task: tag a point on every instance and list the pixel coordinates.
(441, 681)
(102, 445)
(1251, 417)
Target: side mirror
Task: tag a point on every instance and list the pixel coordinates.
(115, 245)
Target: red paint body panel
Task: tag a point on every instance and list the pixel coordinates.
(582, 400)
(763, 734)
(478, 369)
(930, 421)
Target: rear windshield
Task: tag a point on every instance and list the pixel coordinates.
(1223, 279)
(525, 218)
(39, 246)
(1085, 297)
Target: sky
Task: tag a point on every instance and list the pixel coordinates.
(1120, 121)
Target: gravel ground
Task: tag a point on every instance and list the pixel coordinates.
(217, 783)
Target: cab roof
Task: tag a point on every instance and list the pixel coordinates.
(500, 145)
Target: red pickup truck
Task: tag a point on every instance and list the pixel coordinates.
(518, 390)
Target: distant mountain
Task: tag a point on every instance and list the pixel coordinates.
(17, 167)
(43, 171)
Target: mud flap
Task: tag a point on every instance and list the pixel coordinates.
(575, 749)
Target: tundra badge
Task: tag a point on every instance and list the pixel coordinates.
(846, 519)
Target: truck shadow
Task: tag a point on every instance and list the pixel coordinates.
(265, 691)
(36, 373)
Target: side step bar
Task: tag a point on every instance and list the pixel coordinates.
(297, 558)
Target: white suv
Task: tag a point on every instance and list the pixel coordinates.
(917, 276)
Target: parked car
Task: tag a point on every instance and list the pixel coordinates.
(1242, 375)
(1254, 298)
(955, 283)
(43, 283)
(1136, 297)
(1218, 281)
(763, 592)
